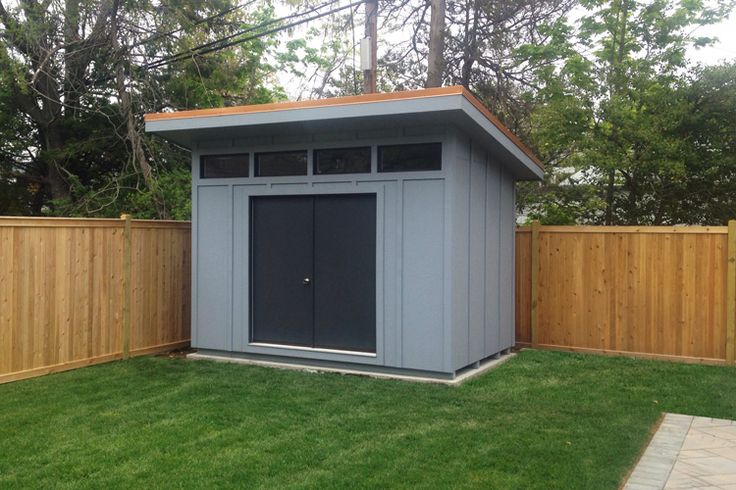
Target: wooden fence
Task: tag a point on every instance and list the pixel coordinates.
(75, 292)
(661, 292)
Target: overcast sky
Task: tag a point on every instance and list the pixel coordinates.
(723, 50)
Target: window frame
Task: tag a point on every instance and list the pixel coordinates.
(315, 160)
(256, 167)
(379, 159)
(203, 175)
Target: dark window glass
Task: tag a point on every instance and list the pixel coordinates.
(281, 163)
(342, 161)
(223, 166)
(410, 158)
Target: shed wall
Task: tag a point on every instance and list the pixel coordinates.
(482, 216)
(412, 247)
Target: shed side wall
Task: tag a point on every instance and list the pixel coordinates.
(482, 219)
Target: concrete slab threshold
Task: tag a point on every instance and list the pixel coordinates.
(461, 376)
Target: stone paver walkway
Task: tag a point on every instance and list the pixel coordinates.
(688, 452)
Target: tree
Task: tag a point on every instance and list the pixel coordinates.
(709, 128)
(76, 77)
(436, 48)
(610, 116)
(480, 52)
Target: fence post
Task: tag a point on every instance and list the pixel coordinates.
(535, 282)
(127, 259)
(731, 293)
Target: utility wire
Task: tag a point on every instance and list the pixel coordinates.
(196, 23)
(201, 49)
(222, 43)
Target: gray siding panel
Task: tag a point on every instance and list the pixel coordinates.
(481, 259)
(459, 251)
(422, 274)
(214, 286)
(389, 288)
(241, 267)
(492, 253)
(506, 273)
(477, 258)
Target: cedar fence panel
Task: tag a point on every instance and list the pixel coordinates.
(161, 285)
(67, 299)
(662, 292)
(524, 285)
(64, 297)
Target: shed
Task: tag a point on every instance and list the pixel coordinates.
(371, 232)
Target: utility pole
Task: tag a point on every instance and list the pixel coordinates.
(369, 47)
(436, 57)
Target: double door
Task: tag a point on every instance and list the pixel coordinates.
(313, 271)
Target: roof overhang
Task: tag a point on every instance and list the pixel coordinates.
(447, 105)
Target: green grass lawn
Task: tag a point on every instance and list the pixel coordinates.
(542, 420)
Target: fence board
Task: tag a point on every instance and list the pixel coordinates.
(62, 292)
(160, 306)
(656, 291)
(523, 286)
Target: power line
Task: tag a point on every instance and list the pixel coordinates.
(196, 23)
(217, 45)
(220, 44)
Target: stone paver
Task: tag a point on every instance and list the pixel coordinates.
(688, 452)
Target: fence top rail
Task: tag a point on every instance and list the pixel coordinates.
(155, 223)
(54, 222)
(677, 230)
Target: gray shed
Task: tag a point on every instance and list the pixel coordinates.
(373, 232)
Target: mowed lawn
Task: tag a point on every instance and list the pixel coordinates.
(542, 420)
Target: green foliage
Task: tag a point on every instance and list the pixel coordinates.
(629, 131)
(321, 63)
(75, 157)
(174, 186)
(615, 118)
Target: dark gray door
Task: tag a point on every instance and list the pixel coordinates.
(345, 272)
(332, 243)
(282, 244)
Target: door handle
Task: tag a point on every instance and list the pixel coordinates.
(306, 281)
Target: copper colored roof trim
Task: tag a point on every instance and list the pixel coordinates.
(350, 100)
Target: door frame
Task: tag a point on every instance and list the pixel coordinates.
(309, 189)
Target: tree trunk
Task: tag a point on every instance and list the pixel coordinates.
(610, 188)
(71, 38)
(57, 185)
(632, 201)
(470, 51)
(614, 85)
(140, 161)
(436, 57)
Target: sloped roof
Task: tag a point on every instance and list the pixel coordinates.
(455, 103)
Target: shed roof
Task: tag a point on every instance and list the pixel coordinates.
(456, 105)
